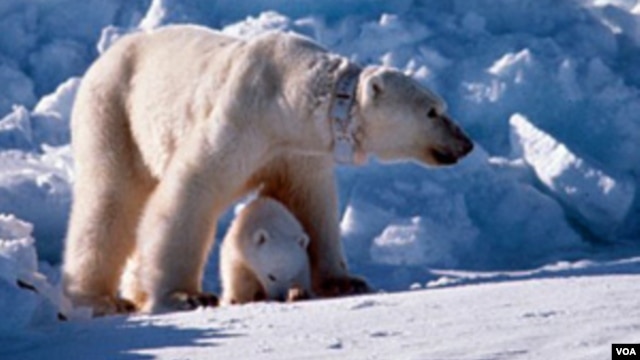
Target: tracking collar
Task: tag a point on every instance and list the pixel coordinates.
(343, 126)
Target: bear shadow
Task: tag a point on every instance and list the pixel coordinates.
(115, 337)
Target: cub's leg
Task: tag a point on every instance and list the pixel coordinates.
(240, 285)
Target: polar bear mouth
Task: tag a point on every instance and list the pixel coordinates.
(443, 157)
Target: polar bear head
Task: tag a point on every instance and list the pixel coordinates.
(400, 119)
(274, 246)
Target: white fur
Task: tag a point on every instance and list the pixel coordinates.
(170, 127)
(264, 255)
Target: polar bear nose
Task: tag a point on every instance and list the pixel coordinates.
(464, 144)
(467, 146)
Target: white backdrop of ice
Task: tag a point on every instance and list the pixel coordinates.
(48, 124)
(20, 307)
(35, 176)
(598, 199)
(479, 214)
(549, 91)
(570, 72)
(43, 43)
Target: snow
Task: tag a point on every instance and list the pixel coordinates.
(35, 187)
(600, 199)
(21, 307)
(45, 42)
(534, 319)
(506, 246)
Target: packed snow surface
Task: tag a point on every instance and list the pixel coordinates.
(554, 318)
(550, 92)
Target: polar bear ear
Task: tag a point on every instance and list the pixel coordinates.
(260, 237)
(373, 87)
(303, 241)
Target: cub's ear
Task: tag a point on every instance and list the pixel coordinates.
(303, 241)
(260, 237)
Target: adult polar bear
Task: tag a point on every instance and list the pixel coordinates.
(170, 127)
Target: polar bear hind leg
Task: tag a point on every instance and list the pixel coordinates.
(106, 209)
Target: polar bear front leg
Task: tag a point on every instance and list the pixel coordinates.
(178, 227)
(329, 270)
(174, 238)
(306, 186)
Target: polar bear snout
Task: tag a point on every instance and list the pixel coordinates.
(453, 143)
(448, 158)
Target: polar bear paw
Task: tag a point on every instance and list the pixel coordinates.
(343, 286)
(104, 305)
(180, 300)
(122, 306)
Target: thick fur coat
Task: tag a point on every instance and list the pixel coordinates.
(171, 127)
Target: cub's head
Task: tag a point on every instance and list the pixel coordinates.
(275, 247)
(400, 119)
(280, 262)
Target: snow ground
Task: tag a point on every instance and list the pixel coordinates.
(542, 219)
(564, 317)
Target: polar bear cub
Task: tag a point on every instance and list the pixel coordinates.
(264, 256)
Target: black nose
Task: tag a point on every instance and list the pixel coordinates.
(465, 144)
(467, 147)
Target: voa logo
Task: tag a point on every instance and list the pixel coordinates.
(625, 351)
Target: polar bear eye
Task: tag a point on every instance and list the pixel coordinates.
(272, 278)
(432, 113)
